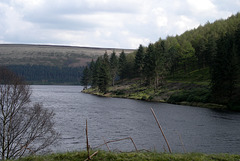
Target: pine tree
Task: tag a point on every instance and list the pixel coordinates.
(224, 70)
(91, 70)
(113, 67)
(161, 62)
(149, 64)
(187, 55)
(173, 49)
(138, 64)
(122, 65)
(95, 72)
(104, 74)
(86, 78)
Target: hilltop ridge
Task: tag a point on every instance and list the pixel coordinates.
(51, 55)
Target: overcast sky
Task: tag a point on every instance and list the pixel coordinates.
(105, 23)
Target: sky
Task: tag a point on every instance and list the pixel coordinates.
(105, 23)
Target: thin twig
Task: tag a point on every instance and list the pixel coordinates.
(180, 138)
(161, 130)
(134, 144)
(95, 153)
(117, 141)
(87, 141)
(106, 144)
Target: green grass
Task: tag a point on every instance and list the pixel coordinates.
(201, 77)
(133, 156)
(193, 95)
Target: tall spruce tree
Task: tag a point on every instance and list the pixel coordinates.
(91, 69)
(149, 64)
(161, 62)
(122, 65)
(139, 63)
(113, 67)
(86, 77)
(95, 72)
(104, 74)
(173, 49)
(224, 70)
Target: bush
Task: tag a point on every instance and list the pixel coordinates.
(144, 98)
(120, 92)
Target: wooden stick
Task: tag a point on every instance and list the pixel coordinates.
(180, 138)
(106, 144)
(117, 141)
(161, 130)
(87, 141)
(111, 142)
(134, 144)
(95, 153)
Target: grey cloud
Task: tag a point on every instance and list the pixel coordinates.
(106, 23)
(56, 15)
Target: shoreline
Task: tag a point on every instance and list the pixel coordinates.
(194, 104)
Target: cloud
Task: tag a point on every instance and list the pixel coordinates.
(106, 23)
(202, 6)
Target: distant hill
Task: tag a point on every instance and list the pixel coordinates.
(51, 55)
(50, 64)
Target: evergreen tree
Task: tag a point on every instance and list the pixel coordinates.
(122, 65)
(104, 74)
(188, 56)
(200, 50)
(138, 64)
(224, 70)
(211, 50)
(161, 62)
(95, 72)
(113, 67)
(86, 77)
(91, 69)
(149, 64)
(173, 50)
(237, 45)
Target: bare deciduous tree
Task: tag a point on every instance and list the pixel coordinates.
(24, 128)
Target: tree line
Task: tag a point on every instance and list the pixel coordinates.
(214, 47)
(48, 74)
(105, 71)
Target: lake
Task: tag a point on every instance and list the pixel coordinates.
(190, 129)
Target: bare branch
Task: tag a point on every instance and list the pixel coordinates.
(24, 129)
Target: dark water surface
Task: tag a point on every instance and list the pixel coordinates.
(191, 128)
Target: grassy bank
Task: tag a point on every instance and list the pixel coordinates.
(182, 92)
(148, 156)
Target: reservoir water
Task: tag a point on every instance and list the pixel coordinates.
(190, 129)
